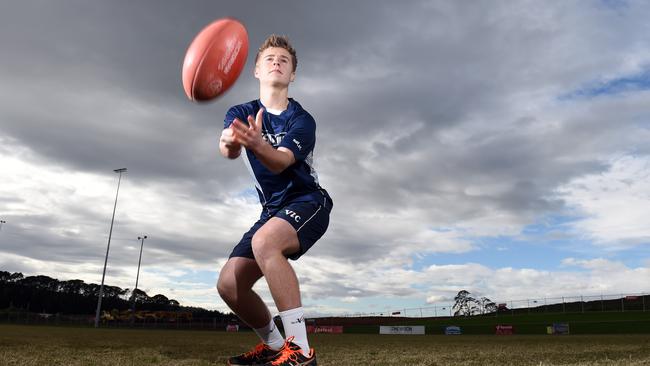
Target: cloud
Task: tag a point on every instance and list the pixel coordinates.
(437, 299)
(613, 206)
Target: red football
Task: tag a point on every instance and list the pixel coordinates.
(215, 59)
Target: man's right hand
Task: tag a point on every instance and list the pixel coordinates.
(227, 145)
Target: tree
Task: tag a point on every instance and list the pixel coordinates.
(141, 297)
(463, 303)
(91, 289)
(487, 305)
(6, 277)
(114, 291)
(41, 282)
(72, 287)
(160, 300)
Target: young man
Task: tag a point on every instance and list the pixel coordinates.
(278, 141)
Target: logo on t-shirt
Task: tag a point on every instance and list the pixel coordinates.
(274, 138)
(297, 144)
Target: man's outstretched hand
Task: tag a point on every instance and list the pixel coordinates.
(249, 136)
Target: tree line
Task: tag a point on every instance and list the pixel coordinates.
(43, 294)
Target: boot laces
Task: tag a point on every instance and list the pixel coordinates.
(255, 351)
(288, 353)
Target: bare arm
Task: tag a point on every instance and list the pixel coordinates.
(275, 160)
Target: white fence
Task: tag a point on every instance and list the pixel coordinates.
(563, 304)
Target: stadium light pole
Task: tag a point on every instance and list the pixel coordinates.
(110, 233)
(137, 277)
(2, 222)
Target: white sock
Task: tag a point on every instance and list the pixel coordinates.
(294, 326)
(270, 335)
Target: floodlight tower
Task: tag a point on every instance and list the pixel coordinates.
(137, 277)
(110, 233)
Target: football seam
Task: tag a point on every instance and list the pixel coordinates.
(198, 67)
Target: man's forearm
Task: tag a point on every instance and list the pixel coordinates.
(274, 160)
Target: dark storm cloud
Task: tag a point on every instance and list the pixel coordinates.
(95, 85)
(126, 58)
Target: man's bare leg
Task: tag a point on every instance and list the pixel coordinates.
(235, 284)
(271, 244)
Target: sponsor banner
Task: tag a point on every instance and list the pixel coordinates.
(503, 329)
(407, 329)
(325, 329)
(232, 328)
(560, 328)
(453, 330)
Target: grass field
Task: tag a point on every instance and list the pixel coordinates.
(40, 345)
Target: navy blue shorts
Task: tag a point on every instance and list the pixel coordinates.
(310, 219)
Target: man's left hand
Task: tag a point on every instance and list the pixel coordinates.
(250, 136)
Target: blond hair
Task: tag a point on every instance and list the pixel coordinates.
(275, 40)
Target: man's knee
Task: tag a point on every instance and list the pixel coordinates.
(277, 238)
(237, 277)
(260, 246)
(227, 288)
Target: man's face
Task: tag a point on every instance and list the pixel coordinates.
(274, 66)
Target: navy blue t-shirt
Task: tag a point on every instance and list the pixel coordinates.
(294, 129)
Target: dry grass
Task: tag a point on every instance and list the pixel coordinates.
(32, 345)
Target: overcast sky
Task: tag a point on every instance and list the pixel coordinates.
(499, 147)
